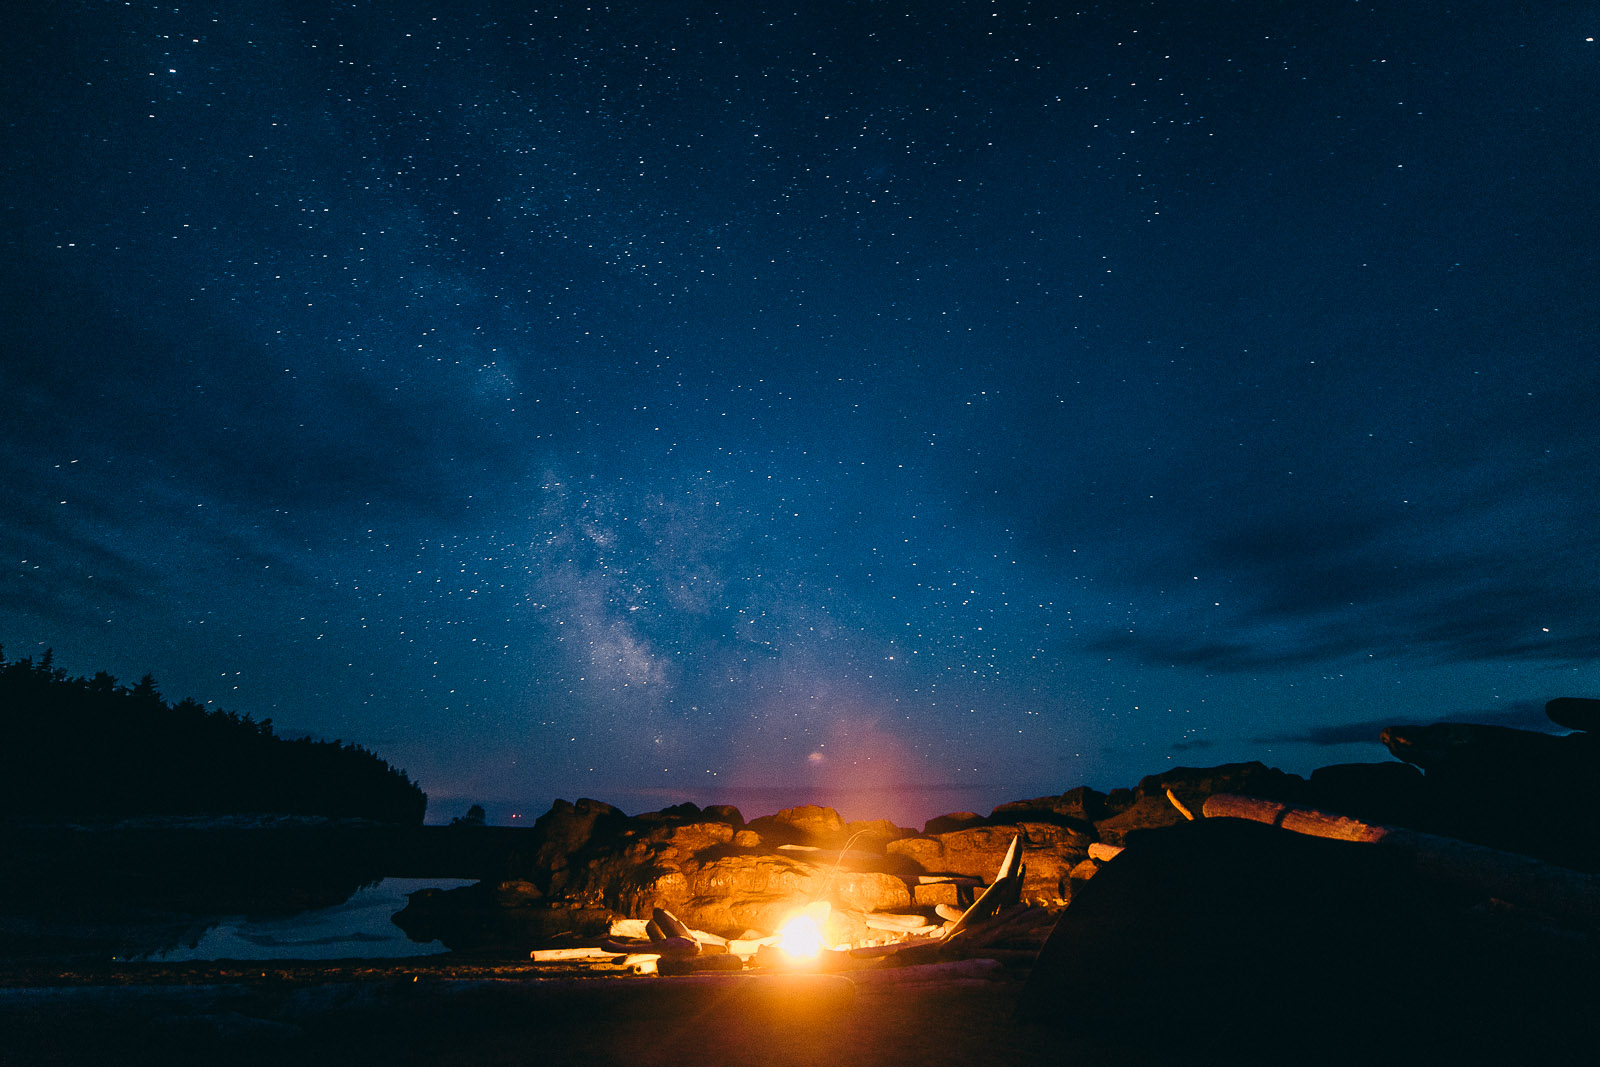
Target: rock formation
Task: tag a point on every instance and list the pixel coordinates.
(588, 862)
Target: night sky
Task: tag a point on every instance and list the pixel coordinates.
(908, 406)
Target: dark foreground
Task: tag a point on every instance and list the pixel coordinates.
(441, 1011)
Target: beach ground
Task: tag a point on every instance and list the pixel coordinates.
(482, 1014)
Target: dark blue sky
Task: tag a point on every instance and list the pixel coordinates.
(911, 406)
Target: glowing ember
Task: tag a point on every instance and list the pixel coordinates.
(801, 937)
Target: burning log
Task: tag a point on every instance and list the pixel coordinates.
(1567, 895)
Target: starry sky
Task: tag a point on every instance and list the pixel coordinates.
(903, 405)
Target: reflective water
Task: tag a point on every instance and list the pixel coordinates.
(359, 928)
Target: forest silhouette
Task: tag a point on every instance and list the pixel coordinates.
(93, 748)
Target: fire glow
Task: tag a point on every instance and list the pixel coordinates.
(801, 937)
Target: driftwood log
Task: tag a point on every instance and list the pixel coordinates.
(1005, 891)
(1569, 896)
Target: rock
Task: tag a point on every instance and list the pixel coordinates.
(490, 915)
(724, 813)
(1378, 792)
(958, 820)
(731, 894)
(1220, 941)
(747, 839)
(930, 894)
(1146, 813)
(1510, 789)
(517, 894)
(1192, 785)
(674, 844)
(564, 831)
(1118, 801)
(874, 834)
(1150, 808)
(1575, 713)
(1048, 852)
(1077, 807)
(677, 813)
(808, 824)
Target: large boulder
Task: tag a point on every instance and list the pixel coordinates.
(1575, 713)
(808, 824)
(1049, 851)
(565, 831)
(731, 894)
(1511, 789)
(1223, 941)
(874, 834)
(1391, 793)
(955, 820)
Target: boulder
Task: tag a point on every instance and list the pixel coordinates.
(956, 820)
(1575, 713)
(1076, 807)
(1080, 874)
(1516, 790)
(874, 834)
(1378, 792)
(1456, 745)
(1221, 941)
(1048, 853)
(808, 824)
(932, 894)
(1192, 785)
(1145, 813)
(563, 832)
(730, 894)
(724, 813)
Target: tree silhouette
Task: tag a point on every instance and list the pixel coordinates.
(90, 747)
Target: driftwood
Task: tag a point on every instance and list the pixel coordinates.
(641, 963)
(1182, 810)
(896, 922)
(552, 955)
(1005, 891)
(670, 966)
(1569, 896)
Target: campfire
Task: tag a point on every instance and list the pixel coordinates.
(997, 925)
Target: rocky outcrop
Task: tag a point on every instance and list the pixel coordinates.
(1076, 807)
(1511, 789)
